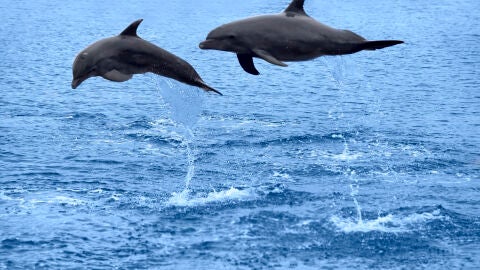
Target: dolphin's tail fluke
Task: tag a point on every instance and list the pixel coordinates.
(378, 44)
(207, 88)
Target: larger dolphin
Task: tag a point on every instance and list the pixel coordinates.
(118, 58)
(289, 36)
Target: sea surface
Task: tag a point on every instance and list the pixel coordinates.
(365, 161)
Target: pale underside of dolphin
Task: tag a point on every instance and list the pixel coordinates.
(118, 58)
(289, 36)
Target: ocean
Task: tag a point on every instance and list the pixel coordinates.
(364, 161)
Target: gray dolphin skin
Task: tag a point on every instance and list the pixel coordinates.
(289, 36)
(118, 58)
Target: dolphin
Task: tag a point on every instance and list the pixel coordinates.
(118, 58)
(289, 36)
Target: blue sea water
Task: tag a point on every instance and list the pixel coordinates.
(366, 161)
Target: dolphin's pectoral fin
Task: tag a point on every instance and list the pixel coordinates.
(117, 76)
(246, 61)
(268, 57)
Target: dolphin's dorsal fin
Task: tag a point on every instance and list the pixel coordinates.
(131, 30)
(296, 6)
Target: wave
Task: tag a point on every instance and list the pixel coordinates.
(289, 140)
(86, 116)
(232, 122)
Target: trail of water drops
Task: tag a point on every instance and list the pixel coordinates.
(184, 104)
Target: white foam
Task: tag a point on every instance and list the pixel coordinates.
(115, 197)
(337, 136)
(349, 225)
(59, 199)
(389, 223)
(245, 122)
(66, 200)
(162, 122)
(281, 175)
(344, 156)
(4, 197)
(232, 123)
(184, 198)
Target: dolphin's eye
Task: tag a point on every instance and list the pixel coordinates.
(231, 37)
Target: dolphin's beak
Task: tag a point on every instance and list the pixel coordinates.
(76, 82)
(207, 44)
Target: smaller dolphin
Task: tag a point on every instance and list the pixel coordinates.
(289, 36)
(118, 58)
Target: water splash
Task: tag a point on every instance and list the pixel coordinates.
(188, 143)
(354, 186)
(337, 67)
(187, 198)
(185, 104)
(389, 223)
